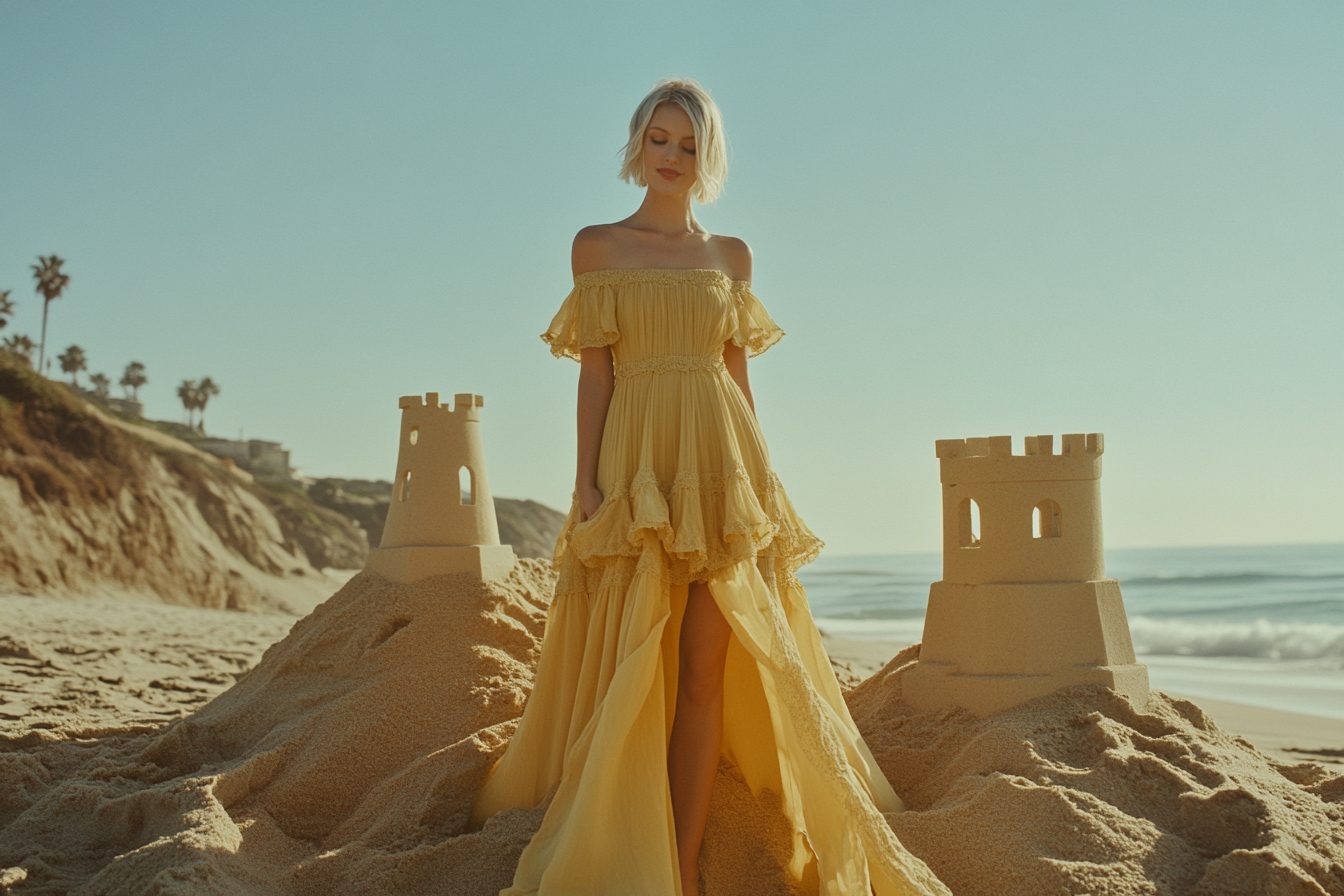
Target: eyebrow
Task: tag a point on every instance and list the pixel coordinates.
(654, 127)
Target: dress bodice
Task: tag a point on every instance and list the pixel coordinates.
(652, 313)
(682, 454)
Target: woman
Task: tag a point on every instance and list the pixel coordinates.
(679, 632)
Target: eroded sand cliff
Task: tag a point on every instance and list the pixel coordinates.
(87, 506)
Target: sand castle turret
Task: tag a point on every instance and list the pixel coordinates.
(1024, 607)
(442, 518)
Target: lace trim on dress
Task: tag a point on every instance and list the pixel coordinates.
(670, 364)
(713, 483)
(612, 276)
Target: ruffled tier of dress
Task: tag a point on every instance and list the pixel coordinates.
(703, 523)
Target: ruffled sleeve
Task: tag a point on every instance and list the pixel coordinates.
(587, 319)
(755, 330)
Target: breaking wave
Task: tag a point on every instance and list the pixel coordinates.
(1177, 580)
(1261, 639)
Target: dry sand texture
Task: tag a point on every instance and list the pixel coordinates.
(1286, 737)
(1078, 793)
(91, 664)
(347, 761)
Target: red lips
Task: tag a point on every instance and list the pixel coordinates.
(669, 173)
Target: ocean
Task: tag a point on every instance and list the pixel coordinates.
(1257, 625)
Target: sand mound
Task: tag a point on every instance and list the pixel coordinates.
(348, 759)
(351, 753)
(1078, 793)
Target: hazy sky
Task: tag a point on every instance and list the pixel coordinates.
(971, 218)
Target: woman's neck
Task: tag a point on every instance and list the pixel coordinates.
(667, 215)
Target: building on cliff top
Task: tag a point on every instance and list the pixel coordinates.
(259, 457)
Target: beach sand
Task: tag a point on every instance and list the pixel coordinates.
(1285, 736)
(105, 661)
(173, 750)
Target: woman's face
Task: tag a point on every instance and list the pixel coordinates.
(669, 150)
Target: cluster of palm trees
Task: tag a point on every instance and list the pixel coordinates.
(195, 396)
(51, 283)
(73, 360)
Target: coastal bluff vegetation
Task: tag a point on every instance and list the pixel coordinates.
(96, 502)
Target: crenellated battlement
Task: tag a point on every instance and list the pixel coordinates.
(992, 460)
(1071, 444)
(467, 404)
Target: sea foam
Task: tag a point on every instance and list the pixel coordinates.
(1261, 638)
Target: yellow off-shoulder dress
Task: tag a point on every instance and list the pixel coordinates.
(688, 495)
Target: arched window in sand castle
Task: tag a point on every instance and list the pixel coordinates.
(414, 435)
(404, 491)
(1045, 520)
(968, 523)
(466, 485)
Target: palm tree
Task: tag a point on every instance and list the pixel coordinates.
(102, 386)
(207, 389)
(187, 392)
(21, 347)
(72, 362)
(133, 379)
(51, 282)
(6, 308)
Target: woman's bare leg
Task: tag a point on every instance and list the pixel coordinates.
(697, 727)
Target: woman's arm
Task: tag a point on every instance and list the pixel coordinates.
(737, 255)
(596, 383)
(735, 359)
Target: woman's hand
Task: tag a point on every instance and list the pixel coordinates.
(590, 498)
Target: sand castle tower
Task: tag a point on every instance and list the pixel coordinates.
(1024, 607)
(442, 518)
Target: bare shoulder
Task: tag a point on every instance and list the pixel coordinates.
(735, 255)
(593, 248)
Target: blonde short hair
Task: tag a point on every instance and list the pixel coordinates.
(711, 156)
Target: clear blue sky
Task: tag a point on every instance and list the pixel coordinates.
(971, 218)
